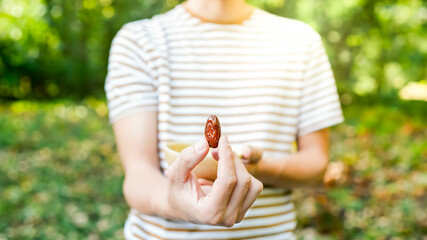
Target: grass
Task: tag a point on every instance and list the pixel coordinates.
(60, 176)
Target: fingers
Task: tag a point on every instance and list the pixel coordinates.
(252, 194)
(226, 175)
(251, 154)
(206, 189)
(214, 153)
(206, 185)
(204, 181)
(239, 193)
(226, 163)
(223, 202)
(235, 190)
(188, 159)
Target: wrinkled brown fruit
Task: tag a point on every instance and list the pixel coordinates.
(213, 131)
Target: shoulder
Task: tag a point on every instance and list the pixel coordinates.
(148, 26)
(292, 27)
(136, 30)
(143, 31)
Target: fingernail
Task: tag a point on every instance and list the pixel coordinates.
(214, 153)
(225, 138)
(200, 145)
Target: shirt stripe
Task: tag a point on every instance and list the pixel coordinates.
(268, 80)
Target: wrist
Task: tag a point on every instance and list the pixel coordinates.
(253, 168)
(160, 202)
(267, 168)
(147, 198)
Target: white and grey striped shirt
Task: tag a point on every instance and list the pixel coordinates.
(268, 80)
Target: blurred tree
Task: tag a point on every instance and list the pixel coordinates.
(52, 48)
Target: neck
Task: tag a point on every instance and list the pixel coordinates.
(219, 11)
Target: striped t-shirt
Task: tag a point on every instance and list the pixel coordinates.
(268, 80)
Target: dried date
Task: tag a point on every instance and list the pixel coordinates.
(213, 131)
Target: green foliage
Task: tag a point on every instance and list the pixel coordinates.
(381, 194)
(376, 47)
(60, 176)
(51, 48)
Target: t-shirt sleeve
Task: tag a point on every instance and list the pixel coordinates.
(129, 84)
(320, 106)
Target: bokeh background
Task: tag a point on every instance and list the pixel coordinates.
(60, 176)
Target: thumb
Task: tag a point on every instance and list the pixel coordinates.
(187, 160)
(251, 154)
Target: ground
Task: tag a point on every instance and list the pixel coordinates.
(60, 176)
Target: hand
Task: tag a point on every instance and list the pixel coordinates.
(206, 185)
(251, 154)
(250, 157)
(230, 196)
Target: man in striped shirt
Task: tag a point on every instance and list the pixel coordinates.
(269, 81)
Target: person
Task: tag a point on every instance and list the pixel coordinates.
(269, 81)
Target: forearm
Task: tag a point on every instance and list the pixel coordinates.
(303, 169)
(144, 189)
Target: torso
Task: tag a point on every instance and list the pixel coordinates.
(250, 76)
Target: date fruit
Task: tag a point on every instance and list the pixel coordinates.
(213, 131)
